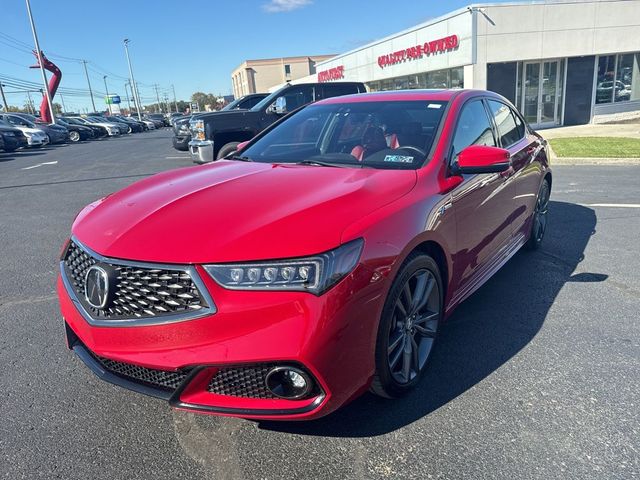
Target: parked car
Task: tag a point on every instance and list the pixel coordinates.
(113, 129)
(36, 137)
(98, 131)
(100, 118)
(12, 137)
(214, 135)
(245, 103)
(159, 119)
(181, 133)
(333, 246)
(55, 133)
(77, 133)
(139, 126)
(131, 126)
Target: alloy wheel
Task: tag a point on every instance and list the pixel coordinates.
(414, 326)
(540, 213)
(74, 136)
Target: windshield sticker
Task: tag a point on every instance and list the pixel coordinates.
(434, 105)
(398, 159)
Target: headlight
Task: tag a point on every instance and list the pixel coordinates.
(312, 274)
(28, 134)
(197, 127)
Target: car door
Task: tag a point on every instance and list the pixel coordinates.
(524, 148)
(482, 202)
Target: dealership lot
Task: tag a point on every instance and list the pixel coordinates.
(535, 376)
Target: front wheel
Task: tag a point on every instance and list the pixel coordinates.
(539, 218)
(227, 149)
(74, 137)
(408, 326)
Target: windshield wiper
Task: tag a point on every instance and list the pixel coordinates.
(238, 157)
(323, 164)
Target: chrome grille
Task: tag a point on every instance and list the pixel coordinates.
(140, 291)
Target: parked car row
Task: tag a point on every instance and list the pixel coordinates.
(20, 130)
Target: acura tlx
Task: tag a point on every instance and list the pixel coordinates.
(312, 264)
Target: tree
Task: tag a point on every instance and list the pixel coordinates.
(57, 108)
(203, 99)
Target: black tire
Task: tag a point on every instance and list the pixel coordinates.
(9, 150)
(539, 218)
(227, 149)
(394, 332)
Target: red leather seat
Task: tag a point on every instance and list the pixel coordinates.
(373, 140)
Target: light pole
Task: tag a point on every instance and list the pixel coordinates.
(136, 98)
(126, 91)
(158, 98)
(41, 62)
(64, 109)
(4, 99)
(174, 97)
(84, 63)
(106, 89)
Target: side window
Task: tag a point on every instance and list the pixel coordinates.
(519, 125)
(473, 128)
(249, 102)
(338, 89)
(297, 97)
(505, 122)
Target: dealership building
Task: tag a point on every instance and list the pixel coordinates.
(560, 62)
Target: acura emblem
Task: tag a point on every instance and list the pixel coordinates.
(96, 287)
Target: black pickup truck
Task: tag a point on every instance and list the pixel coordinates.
(216, 134)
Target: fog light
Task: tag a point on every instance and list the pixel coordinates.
(288, 382)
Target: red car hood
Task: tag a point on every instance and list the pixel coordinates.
(233, 211)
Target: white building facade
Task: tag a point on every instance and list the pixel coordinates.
(561, 62)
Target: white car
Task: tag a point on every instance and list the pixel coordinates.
(36, 137)
(112, 129)
(150, 125)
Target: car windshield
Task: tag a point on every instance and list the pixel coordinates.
(379, 134)
(231, 105)
(268, 100)
(73, 121)
(21, 121)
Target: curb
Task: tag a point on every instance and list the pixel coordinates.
(593, 161)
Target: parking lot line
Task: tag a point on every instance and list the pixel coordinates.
(613, 205)
(40, 165)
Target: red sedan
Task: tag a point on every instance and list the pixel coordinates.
(315, 263)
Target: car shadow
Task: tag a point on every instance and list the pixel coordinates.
(484, 333)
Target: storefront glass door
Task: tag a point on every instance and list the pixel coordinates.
(542, 93)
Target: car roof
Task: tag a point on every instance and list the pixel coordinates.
(396, 96)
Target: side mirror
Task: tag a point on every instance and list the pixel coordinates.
(241, 145)
(481, 159)
(281, 106)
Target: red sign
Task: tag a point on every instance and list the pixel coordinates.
(335, 73)
(414, 53)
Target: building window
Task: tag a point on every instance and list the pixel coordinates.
(452, 78)
(618, 78)
(287, 70)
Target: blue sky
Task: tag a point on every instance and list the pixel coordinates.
(191, 44)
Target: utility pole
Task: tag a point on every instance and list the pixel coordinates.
(30, 103)
(174, 97)
(166, 103)
(84, 63)
(126, 91)
(4, 99)
(158, 98)
(64, 109)
(41, 62)
(134, 89)
(106, 89)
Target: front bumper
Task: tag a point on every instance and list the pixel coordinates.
(331, 336)
(36, 141)
(181, 142)
(201, 151)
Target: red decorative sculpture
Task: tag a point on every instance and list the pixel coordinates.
(45, 111)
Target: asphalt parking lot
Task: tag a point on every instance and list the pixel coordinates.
(537, 375)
